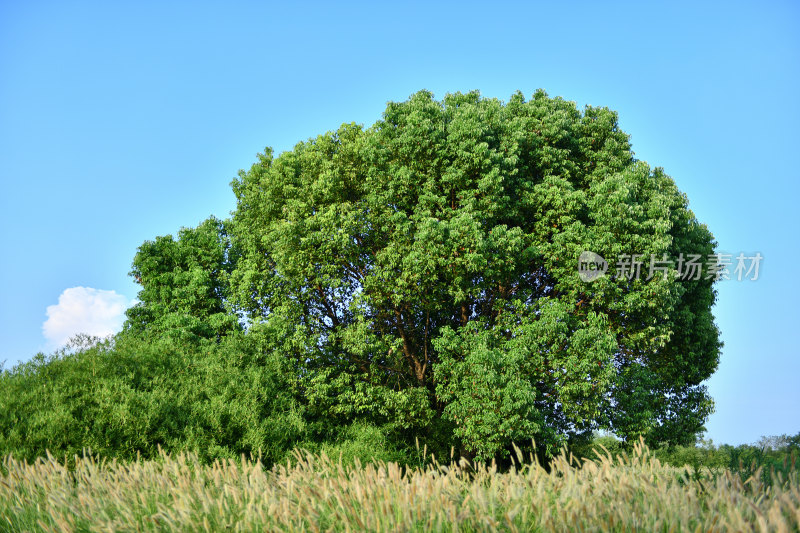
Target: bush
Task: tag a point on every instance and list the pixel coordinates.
(597, 444)
(133, 396)
(360, 440)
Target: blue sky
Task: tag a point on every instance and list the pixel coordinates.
(122, 122)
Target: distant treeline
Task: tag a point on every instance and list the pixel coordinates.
(768, 456)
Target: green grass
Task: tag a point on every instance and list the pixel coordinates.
(631, 492)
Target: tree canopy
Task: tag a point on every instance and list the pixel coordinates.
(184, 284)
(423, 273)
(416, 280)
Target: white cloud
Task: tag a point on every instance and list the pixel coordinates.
(84, 310)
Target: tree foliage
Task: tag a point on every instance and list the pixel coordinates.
(414, 280)
(428, 268)
(184, 284)
(131, 396)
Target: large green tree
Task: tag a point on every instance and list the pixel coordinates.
(421, 274)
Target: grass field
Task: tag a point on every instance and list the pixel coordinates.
(633, 492)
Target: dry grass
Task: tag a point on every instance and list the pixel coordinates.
(633, 493)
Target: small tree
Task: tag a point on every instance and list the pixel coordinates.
(184, 284)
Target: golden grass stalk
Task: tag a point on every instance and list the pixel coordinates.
(633, 492)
